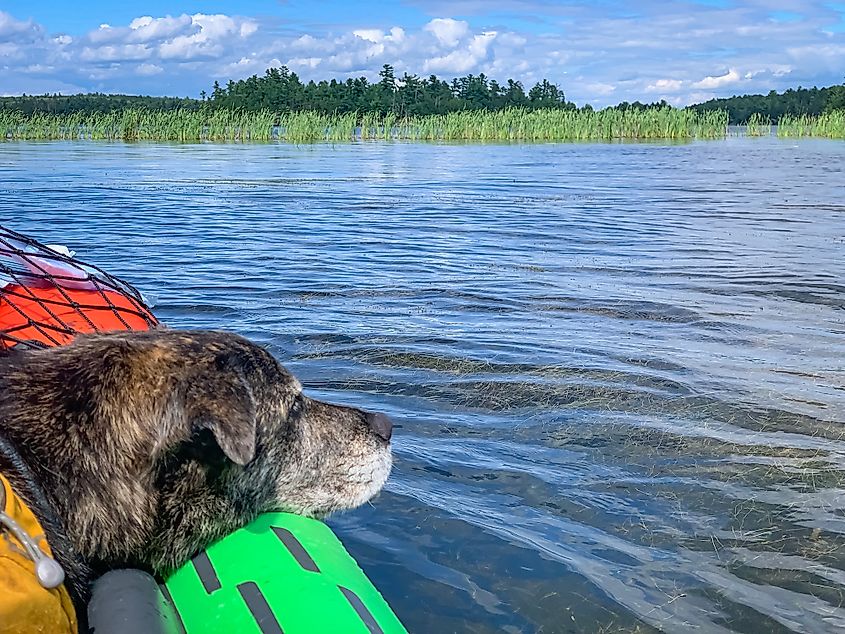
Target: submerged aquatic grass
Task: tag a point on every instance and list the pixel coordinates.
(301, 127)
(830, 124)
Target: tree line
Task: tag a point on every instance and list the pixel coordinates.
(93, 103)
(810, 101)
(281, 90)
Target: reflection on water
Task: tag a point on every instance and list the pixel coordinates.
(619, 370)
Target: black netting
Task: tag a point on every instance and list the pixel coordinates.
(47, 297)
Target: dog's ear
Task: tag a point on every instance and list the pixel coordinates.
(219, 398)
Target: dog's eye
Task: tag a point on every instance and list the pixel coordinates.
(297, 405)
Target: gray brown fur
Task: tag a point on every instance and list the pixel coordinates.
(140, 449)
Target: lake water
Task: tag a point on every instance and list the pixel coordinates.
(618, 371)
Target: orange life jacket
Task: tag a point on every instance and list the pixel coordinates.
(26, 606)
(53, 316)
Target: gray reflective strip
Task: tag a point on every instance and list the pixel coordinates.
(260, 609)
(206, 572)
(296, 549)
(359, 607)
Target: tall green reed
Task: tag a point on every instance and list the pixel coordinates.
(221, 125)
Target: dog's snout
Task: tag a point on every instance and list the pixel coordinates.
(381, 424)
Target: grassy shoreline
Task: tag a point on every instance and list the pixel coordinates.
(829, 125)
(305, 127)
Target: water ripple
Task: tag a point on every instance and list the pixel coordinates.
(616, 370)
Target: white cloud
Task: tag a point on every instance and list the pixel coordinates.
(39, 68)
(182, 37)
(828, 55)
(105, 33)
(304, 62)
(10, 28)
(729, 78)
(210, 34)
(247, 28)
(664, 85)
(454, 62)
(147, 28)
(480, 43)
(307, 41)
(122, 53)
(377, 36)
(600, 89)
(447, 31)
(370, 35)
(149, 69)
(464, 59)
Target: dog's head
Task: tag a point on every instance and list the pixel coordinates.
(168, 440)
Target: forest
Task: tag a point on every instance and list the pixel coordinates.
(774, 105)
(281, 91)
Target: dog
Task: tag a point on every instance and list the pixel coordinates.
(140, 449)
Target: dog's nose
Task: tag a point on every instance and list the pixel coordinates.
(380, 424)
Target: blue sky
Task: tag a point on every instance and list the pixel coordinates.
(599, 52)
